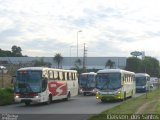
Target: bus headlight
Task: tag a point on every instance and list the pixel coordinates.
(81, 90)
(17, 95)
(118, 92)
(97, 92)
(36, 97)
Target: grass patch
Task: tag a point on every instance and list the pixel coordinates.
(6, 96)
(131, 106)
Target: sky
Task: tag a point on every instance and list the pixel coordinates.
(109, 28)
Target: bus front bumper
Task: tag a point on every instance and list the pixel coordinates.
(36, 99)
(108, 97)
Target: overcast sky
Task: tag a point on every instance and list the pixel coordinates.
(109, 27)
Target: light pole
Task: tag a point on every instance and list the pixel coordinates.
(77, 41)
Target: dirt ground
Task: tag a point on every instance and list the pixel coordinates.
(5, 80)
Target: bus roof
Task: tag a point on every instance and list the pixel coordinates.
(89, 73)
(114, 71)
(141, 74)
(45, 68)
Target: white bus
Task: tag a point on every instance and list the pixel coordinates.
(115, 84)
(41, 84)
(143, 82)
(87, 83)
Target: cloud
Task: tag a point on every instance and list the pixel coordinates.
(111, 27)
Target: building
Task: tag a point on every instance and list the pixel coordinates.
(69, 62)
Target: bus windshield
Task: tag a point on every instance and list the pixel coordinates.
(108, 81)
(140, 81)
(28, 81)
(87, 81)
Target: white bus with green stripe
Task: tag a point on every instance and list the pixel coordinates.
(115, 84)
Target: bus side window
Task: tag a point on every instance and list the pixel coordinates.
(63, 74)
(55, 75)
(73, 76)
(70, 76)
(60, 76)
(67, 75)
(76, 76)
(50, 75)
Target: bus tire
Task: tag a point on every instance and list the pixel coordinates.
(124, 97)
(27, 103)
(84, 94)
(68, 96)
(49, 100)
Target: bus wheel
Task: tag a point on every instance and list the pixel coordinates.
(84, 94)
(68, 96)
(49, 100)
(27, 103)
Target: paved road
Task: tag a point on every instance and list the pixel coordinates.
(77, 108)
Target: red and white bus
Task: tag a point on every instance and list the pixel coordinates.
(41, 84)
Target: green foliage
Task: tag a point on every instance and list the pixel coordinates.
(58, 59)
(109, 63)
(131, 106)
(78, 66)
(133, 64)
(15, 52)
(148, 65)
(6, 96)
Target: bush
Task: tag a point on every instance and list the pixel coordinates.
(6, 96)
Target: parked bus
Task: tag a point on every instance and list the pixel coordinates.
(115, 84)
(87, 83)
(143, 82)
(41, 84)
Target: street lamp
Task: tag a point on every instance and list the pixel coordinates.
(77, 41)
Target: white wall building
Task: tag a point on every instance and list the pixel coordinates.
(68, 62)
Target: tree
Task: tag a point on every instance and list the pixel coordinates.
(16, 51)
(78, 64)
(150, 65)
(58, 59)
(5, 53)
(109, 63)
(133, 64)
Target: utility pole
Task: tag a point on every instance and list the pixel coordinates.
(84, 58)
